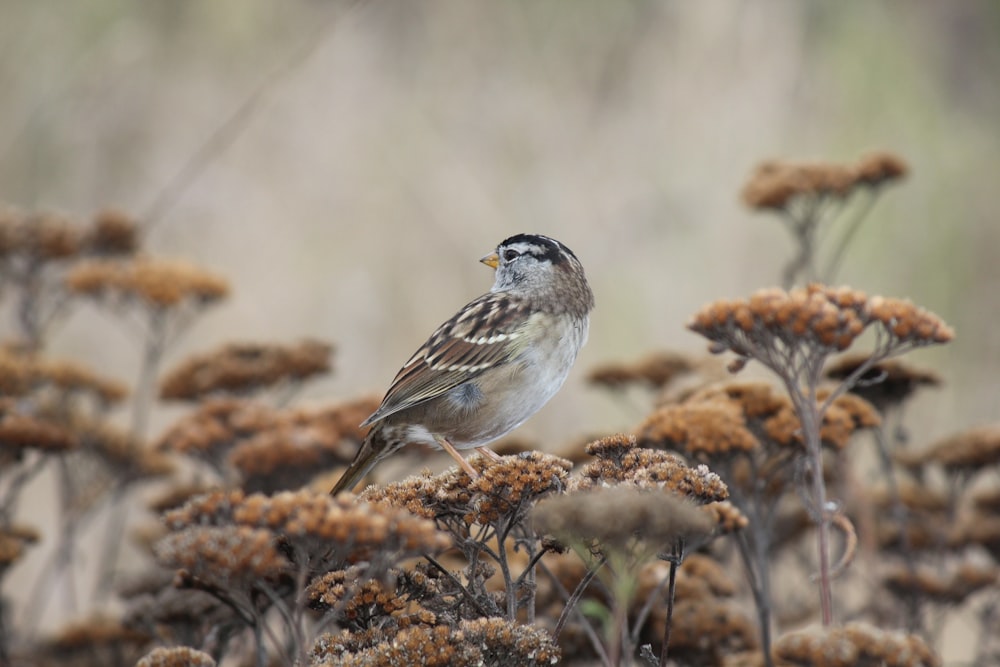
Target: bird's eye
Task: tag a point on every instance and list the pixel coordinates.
(510, 255)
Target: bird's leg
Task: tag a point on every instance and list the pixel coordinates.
(446, 446)
(488, 453)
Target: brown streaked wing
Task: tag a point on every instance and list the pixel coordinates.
(460, 350)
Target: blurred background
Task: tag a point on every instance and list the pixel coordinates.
(344, 165)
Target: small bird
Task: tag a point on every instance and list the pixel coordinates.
(491, 366)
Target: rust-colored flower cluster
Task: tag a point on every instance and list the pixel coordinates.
(158, 283)
(19, 432)
(942, 585)
(504, 489)
(617, 517)
(224, 555)
(620, 460)
(886, 384)
(361, 603)
(242, 368)
(269, 449)
(319, 528)
(49, 236)
(486, 641)
(854, 644)
(121, 452)
(22, 373)
(14, 539)
(817, 316)
(178, 656)
(95, 641)
(962, 453)
(655, 371)
(774, 184)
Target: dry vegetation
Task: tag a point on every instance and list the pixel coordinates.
(733, 512)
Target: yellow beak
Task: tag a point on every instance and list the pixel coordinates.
(491, 260)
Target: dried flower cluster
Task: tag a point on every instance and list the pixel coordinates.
(180, 656)
(268, 449)
(487, 641)
(886, 384)
(318, 527)
(961, 453)
(620, 460)
(655, 371)
(504, 489)
(631, 551)
(774, 184)
(241, 368)
(616, 517)
(51, 236)
(223, 555)
(950, 585)
(816, 317)
(854, 644)
(158, 283)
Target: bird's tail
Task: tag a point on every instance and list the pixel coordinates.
(373, 449)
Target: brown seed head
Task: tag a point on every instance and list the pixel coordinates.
(178, 656)
(240, 368)
(886, 384)
(617, 516)
(113, 232)
(701, 429)
(854, 644)
(223, 555)
(967, 451)
(880, 167)
(650, 468)
(655, 371)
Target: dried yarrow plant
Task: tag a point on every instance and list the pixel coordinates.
(36, 251)
(793, 334)
(808, 196)
(749, 433)
(244, 369)
(625, 508)
(255, 553)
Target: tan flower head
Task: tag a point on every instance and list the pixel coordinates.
(19, 432)
(879, 167)
(655, 371)
(223, 555)
(618, 516)
(886, 384)
(965, 452)
(157, 283)
(113, 232)
(216, 426)
(773, 323)
(97, 640)
(504, 489)
(704, 630)
(178, 656)
(705, 428)
(13, 540)
(472, 643)
(854, 644)
(947, 585)
(241, 368)
(649, 468)
(316, 524)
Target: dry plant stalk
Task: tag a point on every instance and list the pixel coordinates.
(808, 196)
(792, 334)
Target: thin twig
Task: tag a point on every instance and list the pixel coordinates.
(577, 594)
(588, 629)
